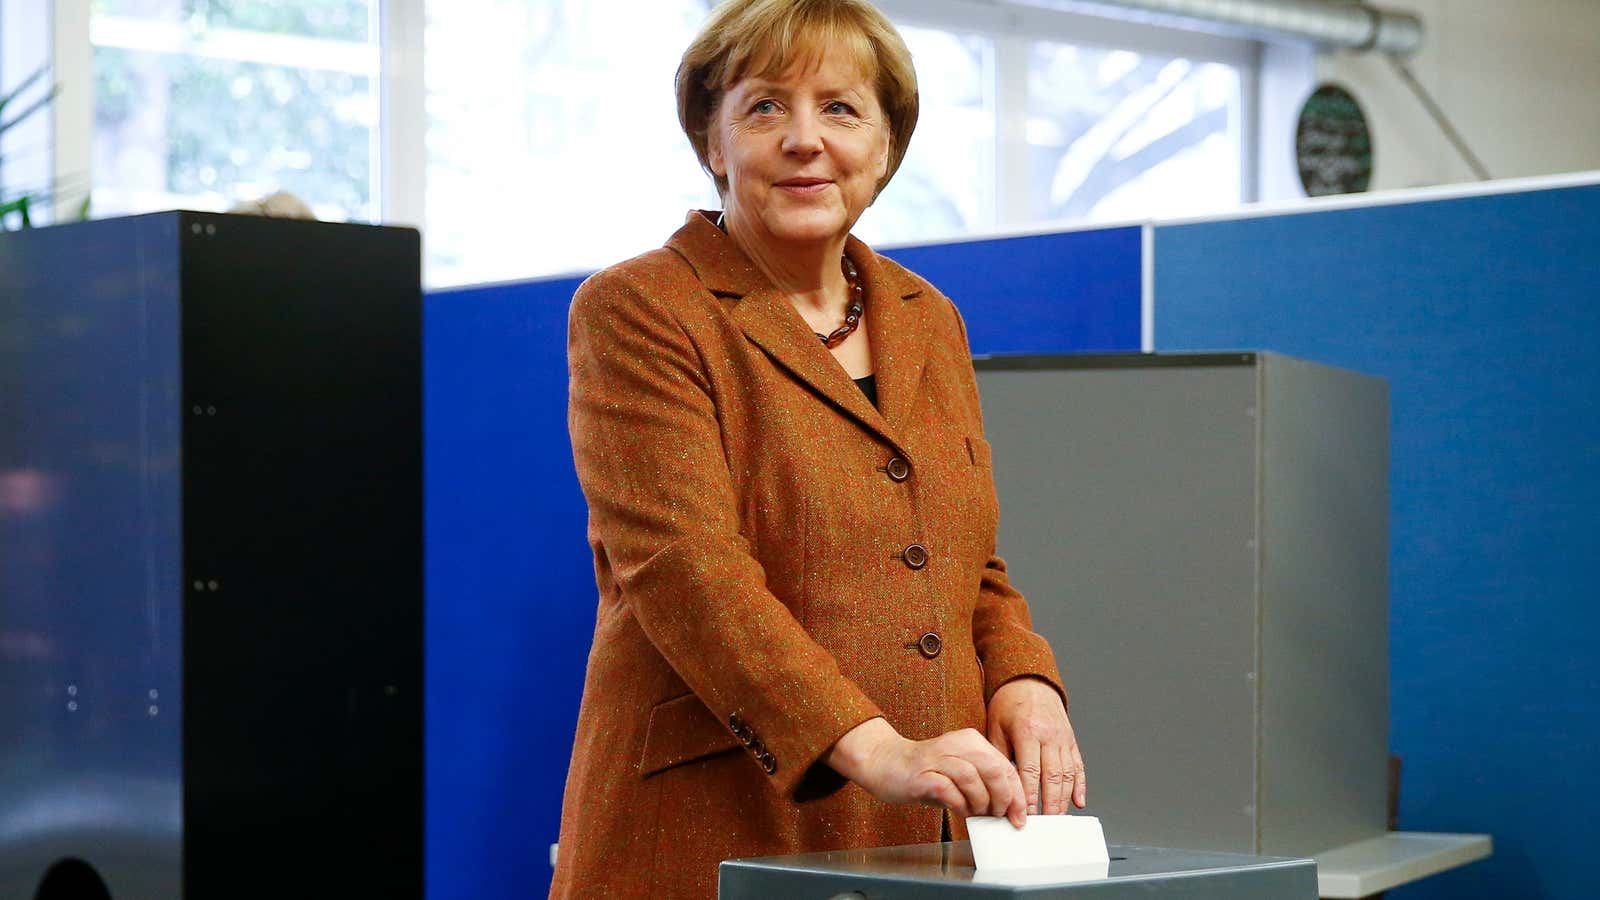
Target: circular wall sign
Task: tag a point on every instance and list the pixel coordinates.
(1332, 146)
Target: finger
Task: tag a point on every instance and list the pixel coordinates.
(999, 775)
(1026, 753)
(1017, 810)
(974, 794)
(1055, 779)
(1080, 784)
(1000, 780)
(941, 791)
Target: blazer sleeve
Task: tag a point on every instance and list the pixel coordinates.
(648, 449)
(1002, 629)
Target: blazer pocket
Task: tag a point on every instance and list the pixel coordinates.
(978, 449)
(682, 730)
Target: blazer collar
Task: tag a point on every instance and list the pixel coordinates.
(895, 321)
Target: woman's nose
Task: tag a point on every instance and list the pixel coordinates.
(803, 137)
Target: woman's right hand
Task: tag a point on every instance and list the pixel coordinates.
(959, 770)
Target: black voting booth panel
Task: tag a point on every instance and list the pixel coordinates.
(210, 559)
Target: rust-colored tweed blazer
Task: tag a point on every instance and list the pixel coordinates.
(751, 525)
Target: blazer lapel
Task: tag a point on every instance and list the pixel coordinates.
(775, 325)
(897, 323)
(772, 323)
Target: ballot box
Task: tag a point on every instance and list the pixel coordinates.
(210, 559)
(935, 871)
(1204, 540)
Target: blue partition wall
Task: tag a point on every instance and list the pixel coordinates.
(1484, 315)
(1048, 293)
(510, 585)
(510, 582)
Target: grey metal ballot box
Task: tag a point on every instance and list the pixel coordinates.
(1204, 540)
(934, 871)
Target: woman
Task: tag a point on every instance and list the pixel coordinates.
(804, 640)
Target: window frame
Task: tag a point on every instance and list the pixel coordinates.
(401, 158)
(72, 119)
(1013, 26)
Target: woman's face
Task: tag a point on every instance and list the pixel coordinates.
(803, 154)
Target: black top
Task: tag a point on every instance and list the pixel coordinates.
(869, 386)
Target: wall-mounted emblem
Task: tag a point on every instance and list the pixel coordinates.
(1332, 146)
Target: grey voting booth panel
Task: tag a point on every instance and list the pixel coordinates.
(210, 559)
(933, 871)
(1204, 540)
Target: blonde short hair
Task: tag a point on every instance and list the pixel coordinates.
(774, 35)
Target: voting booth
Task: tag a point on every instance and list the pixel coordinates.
(210, 560)
(1204, 539)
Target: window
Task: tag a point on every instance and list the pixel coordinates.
(25, 133)
(203, 103)
(946, 183)
(1118, 134)
(552, 134)
(545, 137)
(553, 143)
(1089, 118)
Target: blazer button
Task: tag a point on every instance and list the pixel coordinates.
(768, 762)
(930, 645)
(899, 469)
(915, 556)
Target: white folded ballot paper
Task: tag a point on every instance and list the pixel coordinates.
(1042, 842)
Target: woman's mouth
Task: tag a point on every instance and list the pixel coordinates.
(804, 186)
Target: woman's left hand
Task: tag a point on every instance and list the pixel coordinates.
(1028, 723)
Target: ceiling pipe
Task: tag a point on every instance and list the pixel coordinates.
(1329, 23)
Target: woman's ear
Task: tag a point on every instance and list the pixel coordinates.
(714, 160)
(714, 154)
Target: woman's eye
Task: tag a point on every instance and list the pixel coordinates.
(839, 108)
(765, 107)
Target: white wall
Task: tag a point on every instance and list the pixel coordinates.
(1520, 79)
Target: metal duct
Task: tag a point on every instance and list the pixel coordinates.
(1353, 25)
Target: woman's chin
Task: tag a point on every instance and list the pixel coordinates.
(810, 226)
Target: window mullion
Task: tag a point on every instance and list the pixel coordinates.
(72, 110)
(1011, 131)
(401, 153)
(1247, 130)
